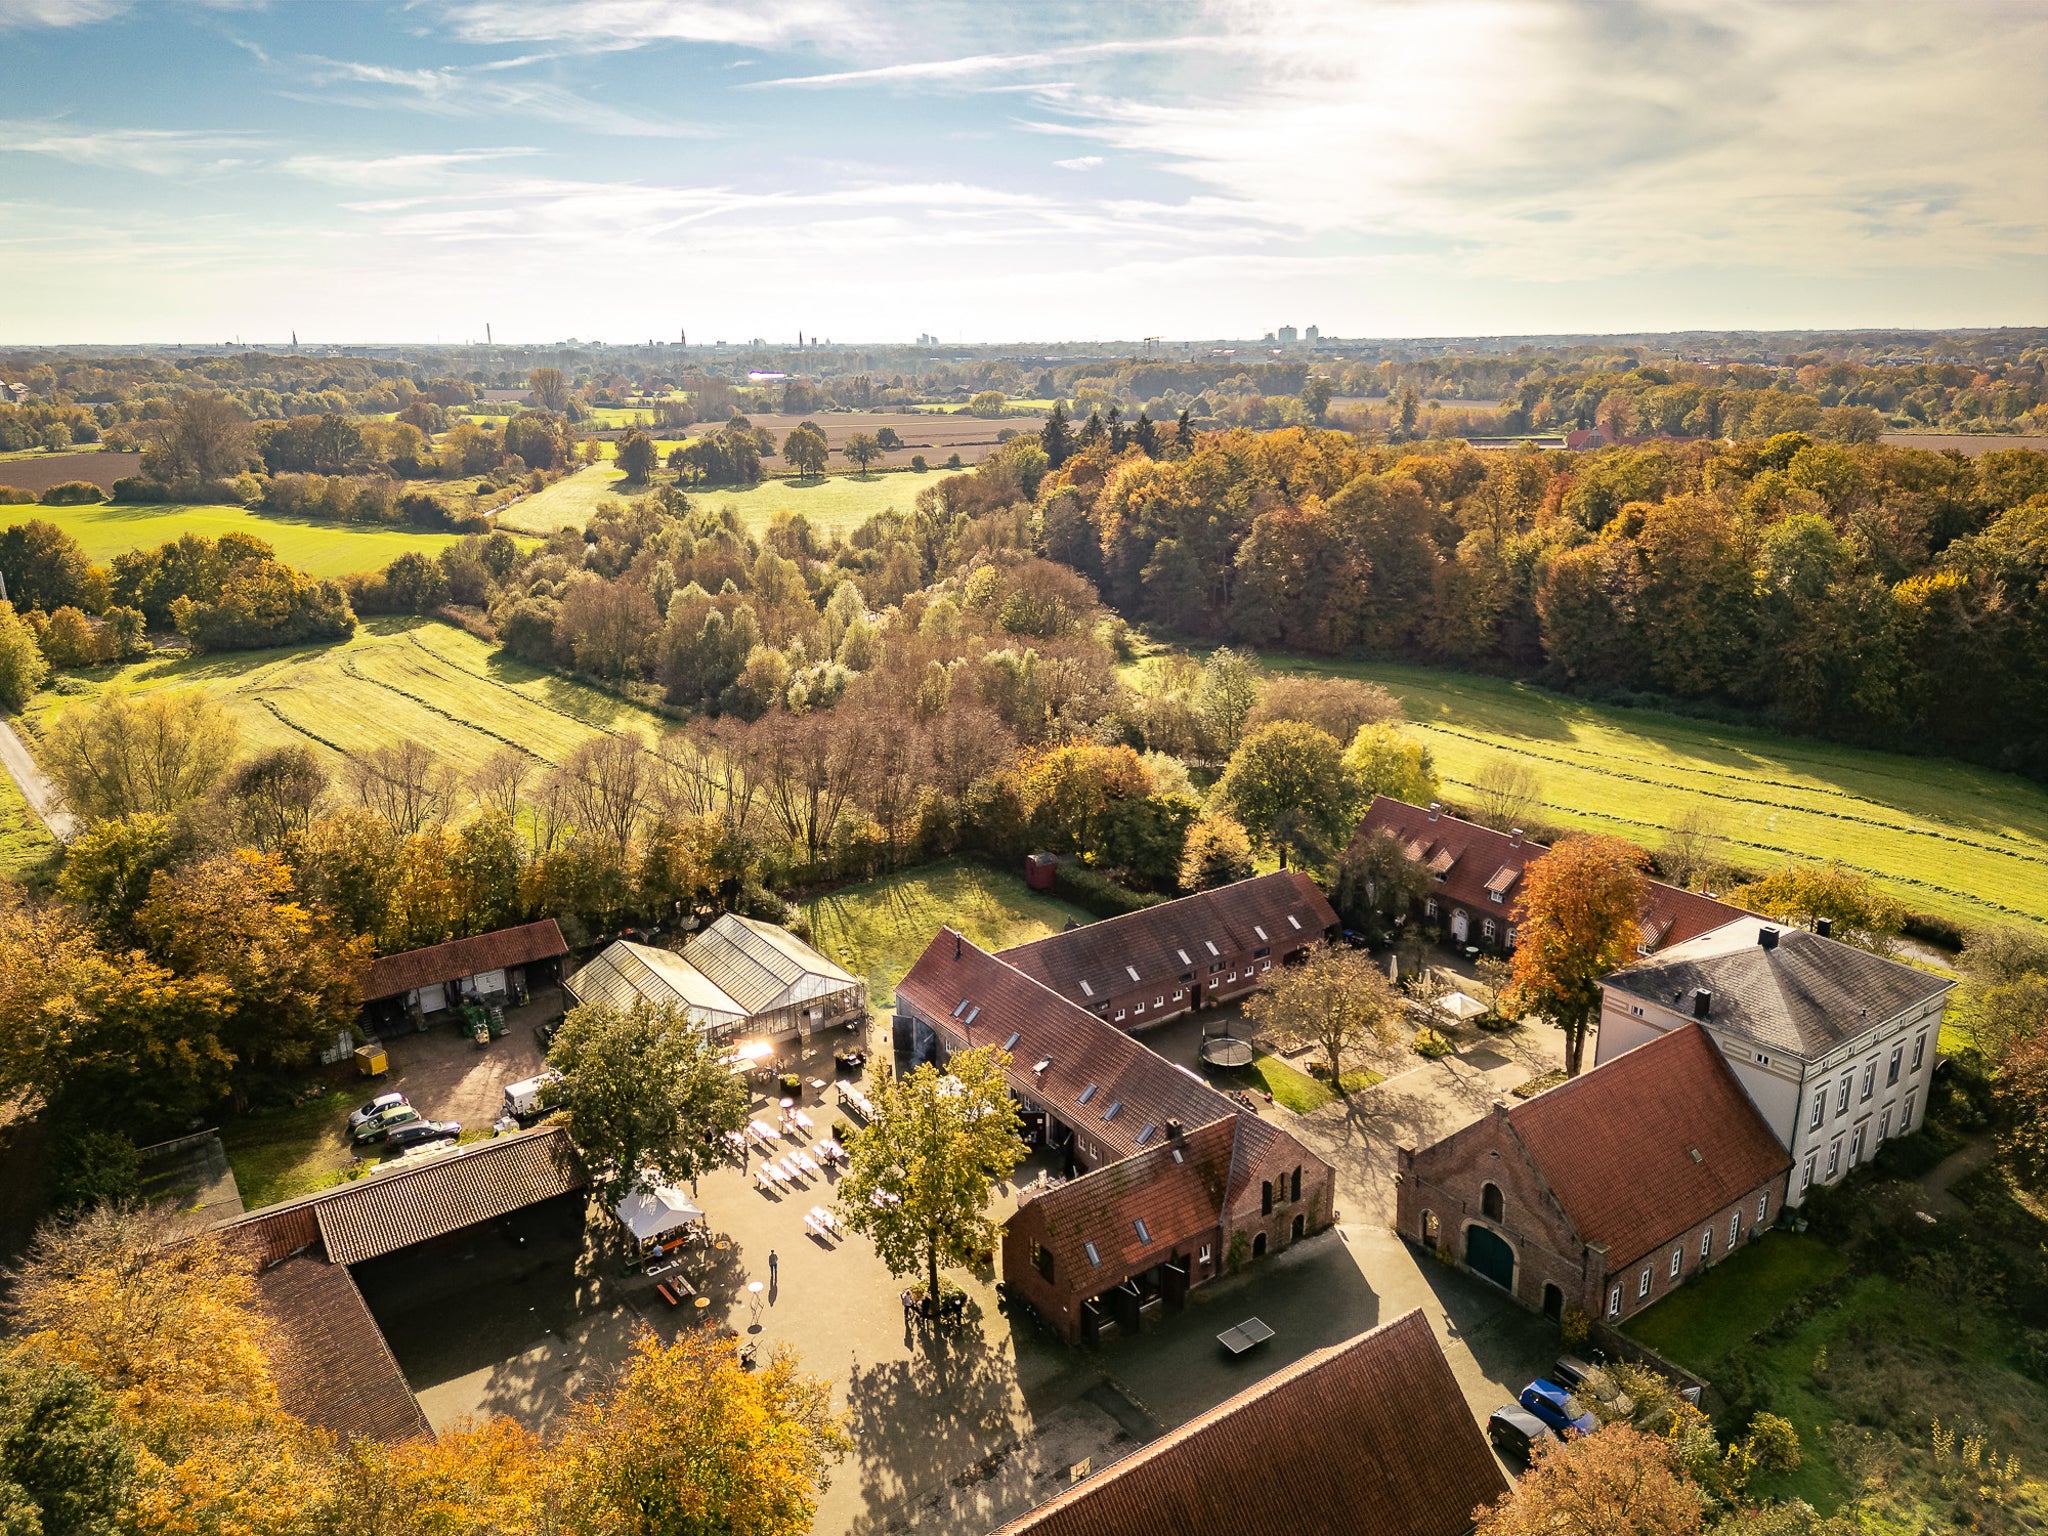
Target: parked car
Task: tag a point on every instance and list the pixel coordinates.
(523, 1099)
(417, 1133)
(381, 1124)
(376, 1107)
(1589, 1381)
(1557, 1408)
(1516, 1432)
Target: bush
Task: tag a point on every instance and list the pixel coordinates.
(94, 1168)
(68, 640)
(1574, 1327)
(73, 493)
(1938, 931)
(919, 464)
(15, 496)
(140, 488)
(1431, 1044)
(1098, 894)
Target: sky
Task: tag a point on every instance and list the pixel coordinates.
(873, 170)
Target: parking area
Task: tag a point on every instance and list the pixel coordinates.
(448, 1076)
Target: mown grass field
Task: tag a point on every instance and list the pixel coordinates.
(878, 929)
(318, 548)
(832, 504)
(280, 1153)
(24, 841)
(567, 503)
(397, 679)
(1944, 837)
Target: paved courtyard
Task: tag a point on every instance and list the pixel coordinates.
(448, 1076)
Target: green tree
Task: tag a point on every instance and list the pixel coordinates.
(157, 752)
(1315, 396)
(1386, 760)
(1289, 787)
(1229, 688)
(549, 389)
(65, 1467)
(805, 448)
(1581, 916)
(644, 1090)
(1336, 997)
(636, 456)
(1056, 436)
(45, 567)
(988, 403)
(2004, 996)
(1858, 912)
(22, 664)
(1218, 851)
(862, 449)
(936, 1144)
(1376, 875)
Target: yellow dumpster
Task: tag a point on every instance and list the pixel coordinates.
(370, 1060)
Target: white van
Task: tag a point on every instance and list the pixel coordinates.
(523, 1099)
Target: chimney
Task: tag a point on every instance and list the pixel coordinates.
(1824, 926)
(1767, 938)
(1436, 809)
(1702, 1004)
(1515, 838)
(1173, 1130)
(956, 946)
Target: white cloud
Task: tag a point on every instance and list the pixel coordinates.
(1079, 163)
(974, 66)
(58, 13)
(158, 151)
(486, 90)
(634, 23)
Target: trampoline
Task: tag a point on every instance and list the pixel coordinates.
(1226, 1051)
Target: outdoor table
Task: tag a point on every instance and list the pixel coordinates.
(763, 1131)
(805, 1163)
(802, 1119)
(1248, 1334)
(702, 1304)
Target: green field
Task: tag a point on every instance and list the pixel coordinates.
(833, 504)
(24, 840)
(280, 1153)
(878, 929)
(396, 679)
(567, 503)
(1945, 837)
(319, 548)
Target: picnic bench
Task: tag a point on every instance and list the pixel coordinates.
(1249, 1334)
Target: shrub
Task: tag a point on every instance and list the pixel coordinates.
(95, 1168)
(919, 464)
(1098, 894)
(140, 488)
(73, 493)
(1574, 1327)
(1772, 1443)
(1930, 929)
(1431, 1044)
(15, 496)
(68, 640)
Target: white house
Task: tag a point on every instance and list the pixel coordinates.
(1834, 1044)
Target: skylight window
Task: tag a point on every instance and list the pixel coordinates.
(1011, 1043)
(1177, 1157)
(1146, 1134)
(1087, 1093)
(1264, 938)
(1087, 989)
(1093, 1256)
(1184, 960)
(1114, 1106)
(1143, 1235)
(1131, 971)
(1295, 921)
(959, 1007)
(1210, 945)
(972, 1015)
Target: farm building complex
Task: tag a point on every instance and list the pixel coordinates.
(508, 962)
(738, 977)
(1149, 966)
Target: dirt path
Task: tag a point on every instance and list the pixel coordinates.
(1952, 1170)
(36, 787)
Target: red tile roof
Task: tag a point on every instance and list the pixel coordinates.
(1164, 942)
(1179, 1198)
(328, 1357)
(984, 1001)
(1368, 1438)
(1476, 861)
(1649, 1144)
(401, 973)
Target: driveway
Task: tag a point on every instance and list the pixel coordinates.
(448, 1076)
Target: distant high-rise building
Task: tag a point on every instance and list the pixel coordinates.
(1315, 334)
(1288, 335)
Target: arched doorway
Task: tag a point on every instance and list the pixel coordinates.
(1259, 1246)
(1553, 1303)
(1488, 1255)
(1429, 1236)
(1300, 1227)
(1461, 925)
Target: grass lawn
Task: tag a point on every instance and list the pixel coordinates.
(279, 1153)
(567, 503)
(396, 679)
(1291, 1088)
(878, 929)
(1702, 1322)
(833, 504)
(24, 841)
(1943, 836)
(316, 547)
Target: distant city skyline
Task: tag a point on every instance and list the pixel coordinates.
(882, 172)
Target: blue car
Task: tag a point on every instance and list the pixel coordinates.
(1557, 1409)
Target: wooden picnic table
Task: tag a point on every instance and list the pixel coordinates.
(1248, 1334)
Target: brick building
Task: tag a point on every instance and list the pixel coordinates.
(1170, 1182)
(1476, 873)
(1605, 1192)
(1149, 966)
(1370, 1437)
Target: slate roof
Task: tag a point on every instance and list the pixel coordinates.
(328, 1357)
(1476, 860)
(397, 974)
(1807, 996)
(1180, 1199)
(985, 1001)
(1167, 941)
(1650, 1144)
(1371, 1437)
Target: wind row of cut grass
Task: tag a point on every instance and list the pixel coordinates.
(316, 547)
(397, 679)
(878, 928)
(1944, 837)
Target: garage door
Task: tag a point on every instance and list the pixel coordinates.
(433, 999)
(1487, 1253)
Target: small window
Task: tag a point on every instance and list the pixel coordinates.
(1266, 1198)
(1205, 1253)
(1891, 1072)
(1429, 907)
(1495, 897)
(1261, 952)
(1636, 1009)
(1491, 1205)
(1848, 1084)
(1884, 1123)
(1265, 965)
(1856, 1147)
(1119, 1015)
(1136, 1009)
(1086, 990)
(1132, 972)
(1110, 1113)
(1643, 1283)
(1806, 1173)
(1180, 994)
(1707, 1243)
(1210, 945)
(1294, 922)
(1614, 1302)
(1159, 1001)
(1093, 1257)
(1761, 1059)
(1919, 1050)
(1216, 968)
(1184, 960)
(1041, 1260)
(1086, 1094)
(1734, 1229)
(1294, 1186)
(1763, 1207)
(1677, 1260)
(1011, 1043)
(1834, 1157)
(1820, 1108)
(1144, 1236)
(1906, 1114)
(1486, 927)
(1146, 1134)
(1869, 1080)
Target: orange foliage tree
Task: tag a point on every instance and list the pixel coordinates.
(1619, 1482)
(1581, 912)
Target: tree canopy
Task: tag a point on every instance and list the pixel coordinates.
(1581, 917)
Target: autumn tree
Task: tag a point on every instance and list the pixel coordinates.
(1691, 848)
(1619, 1482)
(1386, 760)
(406, 783)
(645, 1092)
(22, 664)
(2003, 1000)
(2022, 1092)
(605, 780)
(805, 449)
(1288, 785)
(1340, 705)
(1856, 910)
(861, 449)
(1218, 850)
(273, 795)
(153, 752)
(1506, 793)
(500, 782)
(1581, 917)
(636, 456)
(549, 389)
(937, 1142)
(1376, 874)
(1336, 997)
